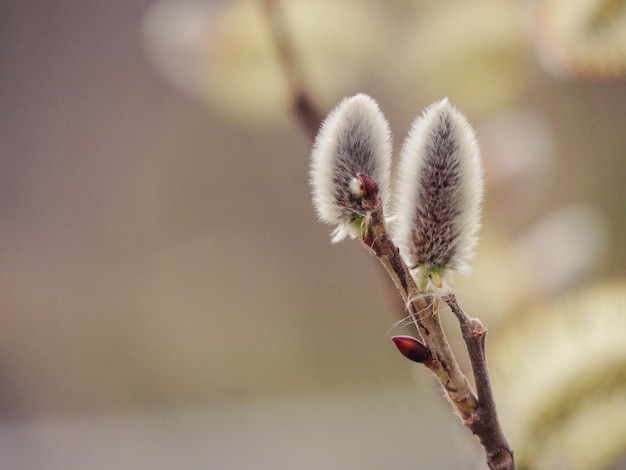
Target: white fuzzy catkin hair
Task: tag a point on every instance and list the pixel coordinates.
(354, 138)
(439, 192)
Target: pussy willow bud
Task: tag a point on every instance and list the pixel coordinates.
(354, 140)
(411, 348)
(439, 195)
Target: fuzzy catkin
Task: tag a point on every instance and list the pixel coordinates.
(354, 138)
(439, 193)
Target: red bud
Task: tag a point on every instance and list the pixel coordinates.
(411, 348)
(370, 187)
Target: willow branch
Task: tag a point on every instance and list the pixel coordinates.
(477, 411)
(422, 309)
(486, 424)
(304, 107)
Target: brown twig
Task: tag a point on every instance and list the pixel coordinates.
(478, 412)
(421, 309)
(303, 105)
(486, 424)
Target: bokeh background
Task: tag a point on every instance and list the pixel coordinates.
(168, 300)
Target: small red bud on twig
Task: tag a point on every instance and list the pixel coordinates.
(411, 348)
(370, 187)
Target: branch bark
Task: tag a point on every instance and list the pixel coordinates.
(304, 107)
(486, 424)
(422, 309)
(477, 412)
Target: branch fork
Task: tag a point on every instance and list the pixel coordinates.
(476, 410)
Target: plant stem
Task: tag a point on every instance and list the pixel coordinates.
(423, 313)
(304, 107)
(478, 412)
(486, 424)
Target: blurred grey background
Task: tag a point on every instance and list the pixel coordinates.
(167, 298)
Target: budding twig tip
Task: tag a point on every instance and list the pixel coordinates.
(350, 163)
(439, 194)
